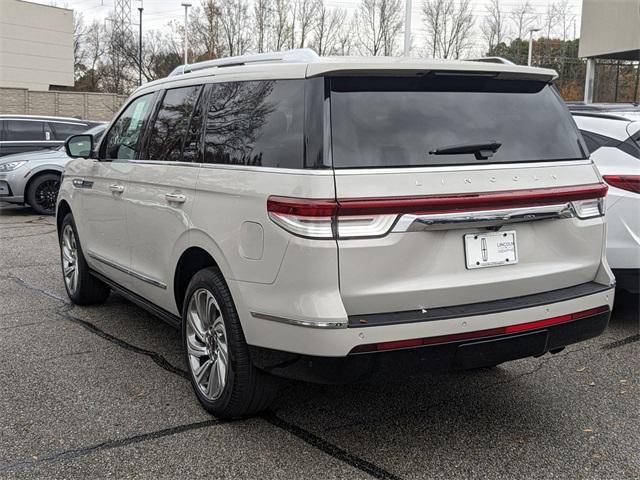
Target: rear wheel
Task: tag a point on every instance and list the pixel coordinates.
(43, 192)
(223, 377)
(82, 287)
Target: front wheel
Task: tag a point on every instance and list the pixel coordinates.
(223, 377)
(43, 192)
(82, 287)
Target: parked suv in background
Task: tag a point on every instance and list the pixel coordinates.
(320, 218)
(34, 177)
(613, 139)
(25, 133)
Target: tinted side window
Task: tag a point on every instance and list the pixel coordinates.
(256, 123)
(172, 124)
(64, 130)
(122, 140)
(16, 130)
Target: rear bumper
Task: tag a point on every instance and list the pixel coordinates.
(475, 353)
(349, 336)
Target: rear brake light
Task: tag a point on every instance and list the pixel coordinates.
(374, 217)
(631, 183)
(491, 332)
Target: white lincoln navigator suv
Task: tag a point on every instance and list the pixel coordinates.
(320, 218)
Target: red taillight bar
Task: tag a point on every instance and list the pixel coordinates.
(630, 183)
(491, 332)
(435, 203)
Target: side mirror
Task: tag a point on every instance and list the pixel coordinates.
(79, 146)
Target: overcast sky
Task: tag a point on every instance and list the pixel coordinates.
(158, 12)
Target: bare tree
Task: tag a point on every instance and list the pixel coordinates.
(326, 29)
(522, 17)
(205, 30)
(235, 26)
(448, 24)
(550, 19)
(345, 37)
(262, 17)
(79, 32)
(378, 25)
(494, 26)
(282, 29)
(307, 12)
(564, 18)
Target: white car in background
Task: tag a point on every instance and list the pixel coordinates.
(613, 139)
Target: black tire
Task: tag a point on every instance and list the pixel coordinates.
(88, 289)
(43, 192)
(247, 390)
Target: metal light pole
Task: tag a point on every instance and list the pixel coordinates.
(140, 9)
(407, 28)
(186, 37)
(531, 30)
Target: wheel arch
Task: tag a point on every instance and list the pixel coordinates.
(192, 260)
(37, 174)
(62, 210)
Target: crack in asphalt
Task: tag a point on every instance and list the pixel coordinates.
(329, 448)
(107, 445)
(11, 237)
(270, 417)
(622, 342)
(157, 358)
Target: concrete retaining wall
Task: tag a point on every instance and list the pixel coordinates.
(85, 105)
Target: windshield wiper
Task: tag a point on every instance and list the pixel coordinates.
(482, 151)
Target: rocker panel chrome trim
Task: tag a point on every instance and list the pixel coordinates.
(139, 276)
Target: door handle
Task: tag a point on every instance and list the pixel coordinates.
(115, 188)
(175, 197)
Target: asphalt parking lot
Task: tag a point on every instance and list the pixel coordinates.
(101, 391)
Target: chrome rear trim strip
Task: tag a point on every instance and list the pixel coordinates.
(139, 276)
(442, 221)
(300, 323)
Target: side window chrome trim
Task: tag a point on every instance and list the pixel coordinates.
(253, 168)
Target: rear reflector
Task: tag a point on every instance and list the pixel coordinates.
(631, 183)
(491, 332)
(372, 217)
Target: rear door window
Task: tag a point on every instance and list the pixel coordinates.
(257, 123)
(62, 131)
(24, 130)
(171, 125)
(398, 121)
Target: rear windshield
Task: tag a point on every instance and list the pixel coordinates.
(398, 121)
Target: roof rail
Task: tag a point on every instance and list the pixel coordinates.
(502, 60)
(297, 55)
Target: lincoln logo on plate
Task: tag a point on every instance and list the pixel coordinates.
(485, 250)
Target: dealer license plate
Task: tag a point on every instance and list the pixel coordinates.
(490, 249)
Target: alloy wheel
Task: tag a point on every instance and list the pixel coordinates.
(207, 347)
(69, 259)
(46, 195)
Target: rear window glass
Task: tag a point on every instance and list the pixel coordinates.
(397, 122)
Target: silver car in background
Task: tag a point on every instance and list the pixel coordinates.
(34, 177)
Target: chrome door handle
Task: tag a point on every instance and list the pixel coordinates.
(175, 197)
(115, 188)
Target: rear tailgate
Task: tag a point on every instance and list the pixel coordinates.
(384, 135)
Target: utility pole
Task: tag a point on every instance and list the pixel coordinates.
(531, 30)
(186, 37)
(140, 9)
(407, 28)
